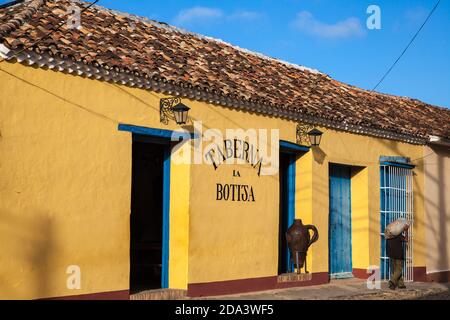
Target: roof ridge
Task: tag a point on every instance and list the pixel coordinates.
(390, 95)
(172, 28)
(31, 7)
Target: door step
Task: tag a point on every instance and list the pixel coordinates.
(342, 275)
(294, 277)
(159, 294)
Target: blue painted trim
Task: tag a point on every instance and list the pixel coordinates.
(291, 195)
(166, 220)
(291, 147)
(158, 133)
(394, 159)
(340, 238)
(397, 164)
(160, 136)
(387, 198)
(291, 203)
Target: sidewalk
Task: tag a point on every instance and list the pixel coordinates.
(349, 289)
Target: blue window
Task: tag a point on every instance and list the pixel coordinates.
(396, 202)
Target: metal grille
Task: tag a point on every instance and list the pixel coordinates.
(396, 203)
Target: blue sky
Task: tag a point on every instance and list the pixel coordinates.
(328, 35)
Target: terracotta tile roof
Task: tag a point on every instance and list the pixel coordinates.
(145, 48)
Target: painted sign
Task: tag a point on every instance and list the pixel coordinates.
(234, 149)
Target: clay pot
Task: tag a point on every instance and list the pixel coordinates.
(299, 240)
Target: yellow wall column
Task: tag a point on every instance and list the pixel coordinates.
(436, 164)
(320, 208)
(180, 184)
(360, 217)
(420, 242)
(304, 196)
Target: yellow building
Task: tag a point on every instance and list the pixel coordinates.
(99, 198)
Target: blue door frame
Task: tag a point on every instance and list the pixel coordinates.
(340, 228)
(393, 205)
(163, 137)
(289, 151)
(287, 207)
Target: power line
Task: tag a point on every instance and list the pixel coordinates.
(59, 26)
(407, 47)
(79, 106)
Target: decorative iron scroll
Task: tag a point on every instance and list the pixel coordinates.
(302, 133)
(165, 106)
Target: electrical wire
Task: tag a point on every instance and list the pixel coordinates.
(58, 27)
(64, 99)
(407, 47)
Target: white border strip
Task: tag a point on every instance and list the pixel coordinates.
(437, 271)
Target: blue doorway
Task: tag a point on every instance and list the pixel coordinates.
(289, 153)
(149, 219)
(340, 227)
(287, 209)
(149, 216)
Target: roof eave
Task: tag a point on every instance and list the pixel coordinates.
(4, 52)
(440, 141)
(132, 80)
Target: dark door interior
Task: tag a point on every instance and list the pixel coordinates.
(284, 223)
(146, 221)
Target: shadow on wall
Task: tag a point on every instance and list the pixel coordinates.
(319, 154)
(443, 241)
(28, 245)
(441, 235)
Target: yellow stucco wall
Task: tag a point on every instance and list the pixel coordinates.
(227, 254)
(363, 153)
(360, 210)
(65, 180)
(304, 199)
(179, 225)
(436, 162)
(65, 183)
(233, 240)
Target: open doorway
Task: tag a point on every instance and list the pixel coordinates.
(146, 220)
(287, 214)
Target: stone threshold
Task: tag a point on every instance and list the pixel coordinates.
(159, 294)
(294, 277)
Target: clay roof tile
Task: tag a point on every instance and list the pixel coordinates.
(156, 50)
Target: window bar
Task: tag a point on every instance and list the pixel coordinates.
(397, 190)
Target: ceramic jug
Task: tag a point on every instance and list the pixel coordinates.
(299, 240)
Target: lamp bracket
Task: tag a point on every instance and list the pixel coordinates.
(165, 108)
(302, 131)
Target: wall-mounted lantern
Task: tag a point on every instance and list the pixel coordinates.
(172, 108)
(315, 136)
(308, 134)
